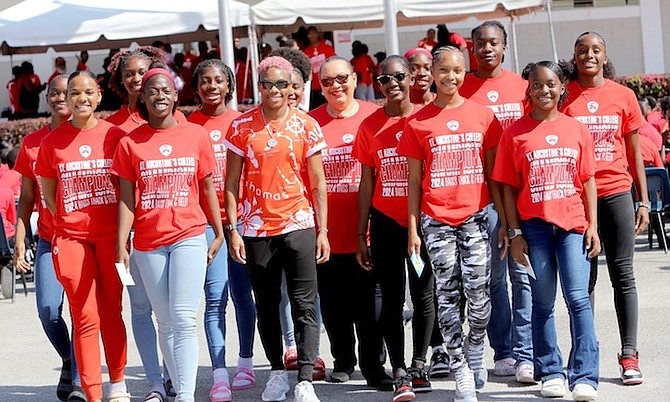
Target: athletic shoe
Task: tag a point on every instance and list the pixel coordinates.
(420, 381)
(584, 392)
(291, 359)
(554, 388)
(277, 386)
(439, 365)
(465, 385)
(475, 358)
(319, 370)
(629, 366)
(403, 389)
(525, 373)
(304, 392)
(504, 367)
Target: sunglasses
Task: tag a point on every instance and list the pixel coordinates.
(341, 79)
(386, 78)
(281, 84)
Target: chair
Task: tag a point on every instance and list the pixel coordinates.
(658, 185)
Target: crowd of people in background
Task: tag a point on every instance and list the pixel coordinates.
(467, 178)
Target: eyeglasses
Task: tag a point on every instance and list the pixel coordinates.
(386, 78)
(281, 84)
(341, 79)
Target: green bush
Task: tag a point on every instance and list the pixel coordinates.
(656, 85)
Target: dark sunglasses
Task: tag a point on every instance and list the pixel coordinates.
(281, 84)
(341, 79)
(386, 78)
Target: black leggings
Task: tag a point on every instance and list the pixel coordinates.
(616, 221)
(388, 245)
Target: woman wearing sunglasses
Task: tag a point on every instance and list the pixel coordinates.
(383, 200)
(272, 144)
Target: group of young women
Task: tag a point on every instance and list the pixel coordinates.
(450, 184)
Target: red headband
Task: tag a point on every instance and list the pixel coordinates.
(155, 71)
(412, 52)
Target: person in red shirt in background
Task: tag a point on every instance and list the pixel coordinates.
(447, 38)
(650, 155)
(186, 94)
(13, 91)
(655, 115)
(429, 41)
(454, 140)
(214, 83)
(243, 76)
(29, 90)
(10, 178)
(59, 68)
(647, 129)
(318, 52)
(546, 165)
(344, 308)
(73, 162)
(383, 201)
(48, 290)
(82, 59)
(189, 57)
(364, 67)
(420, 60)
(503, 92)
(611, 113)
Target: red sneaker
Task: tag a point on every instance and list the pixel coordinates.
(629, 366)
(319, 372)
(291, 359)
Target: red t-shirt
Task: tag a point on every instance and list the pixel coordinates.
(650, 154)
(548, 162)
(86, 195)
(128, 121)
(317, 56)
(25, 164)
(610, 112)
(217, 127)
(8, 211)
(656, 119)
(649, 131)
(343, 174)
(427, 44)
(504, 94)
(274, 200)
(363, 65)
(11, 179)
(451, 143)
(375, 147)
(167, 166)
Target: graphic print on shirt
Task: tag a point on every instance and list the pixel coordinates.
(342, 170)
(393, 171)
(456, 158)
(552, 171)
(86, 182)
(604, 129)
(167, 181)
(506, 113)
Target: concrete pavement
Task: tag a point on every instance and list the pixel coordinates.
(29, 367)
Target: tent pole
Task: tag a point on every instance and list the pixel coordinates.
(551, 31)
(253, 51)
(515, 49)
(391, 28)
(226, 42)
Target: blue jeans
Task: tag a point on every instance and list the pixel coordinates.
(174, 276)
(224, 274)
(510, 333)
(49, 295)
(553, 250)
(286, 320)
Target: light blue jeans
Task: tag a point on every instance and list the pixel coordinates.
(224, 274)
(553, 251)
(510, 333)
(49, 296)
(174, 277)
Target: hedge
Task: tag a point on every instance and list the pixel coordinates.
(656, 85)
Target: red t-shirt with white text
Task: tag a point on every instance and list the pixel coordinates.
(86, 195)
(452, 144)
(317, 56)
(167, 166)
(610, 112)
(548, 162)
(375, 147)
(343, 174)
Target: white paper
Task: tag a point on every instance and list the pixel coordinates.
(529, 268)
(126, 278)
(417, 262)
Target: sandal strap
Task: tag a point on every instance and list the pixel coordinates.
(154, 396)
(222, 389)
(246, 373)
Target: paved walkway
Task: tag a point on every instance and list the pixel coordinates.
(29, 366)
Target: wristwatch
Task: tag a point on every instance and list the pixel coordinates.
(512, 233)
(229, 227)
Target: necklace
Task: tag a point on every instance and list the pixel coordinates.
(272, 130)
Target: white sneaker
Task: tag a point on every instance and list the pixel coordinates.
(504, 367)
(304, 392)
(276, 387)
(554, 388)
(525, 373)
(584, 392)
(465, 385)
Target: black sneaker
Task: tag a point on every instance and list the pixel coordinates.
(403, 389)
(420, 381)
(439, 365)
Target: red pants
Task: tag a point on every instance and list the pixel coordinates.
(86, 270)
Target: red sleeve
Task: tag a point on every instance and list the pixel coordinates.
(122, 165)
(587, 160)
(458, 40)
(45, 165)
(632, 119)
(206, 160)
(410, 145)
(22, 164)
(361, 149)
(504, 168)
(493, 132)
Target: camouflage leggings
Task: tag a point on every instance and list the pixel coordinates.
(461, 255)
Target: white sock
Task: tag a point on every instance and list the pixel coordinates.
(438, 349)
(220, 374)
(245, 362)
(117, 388)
